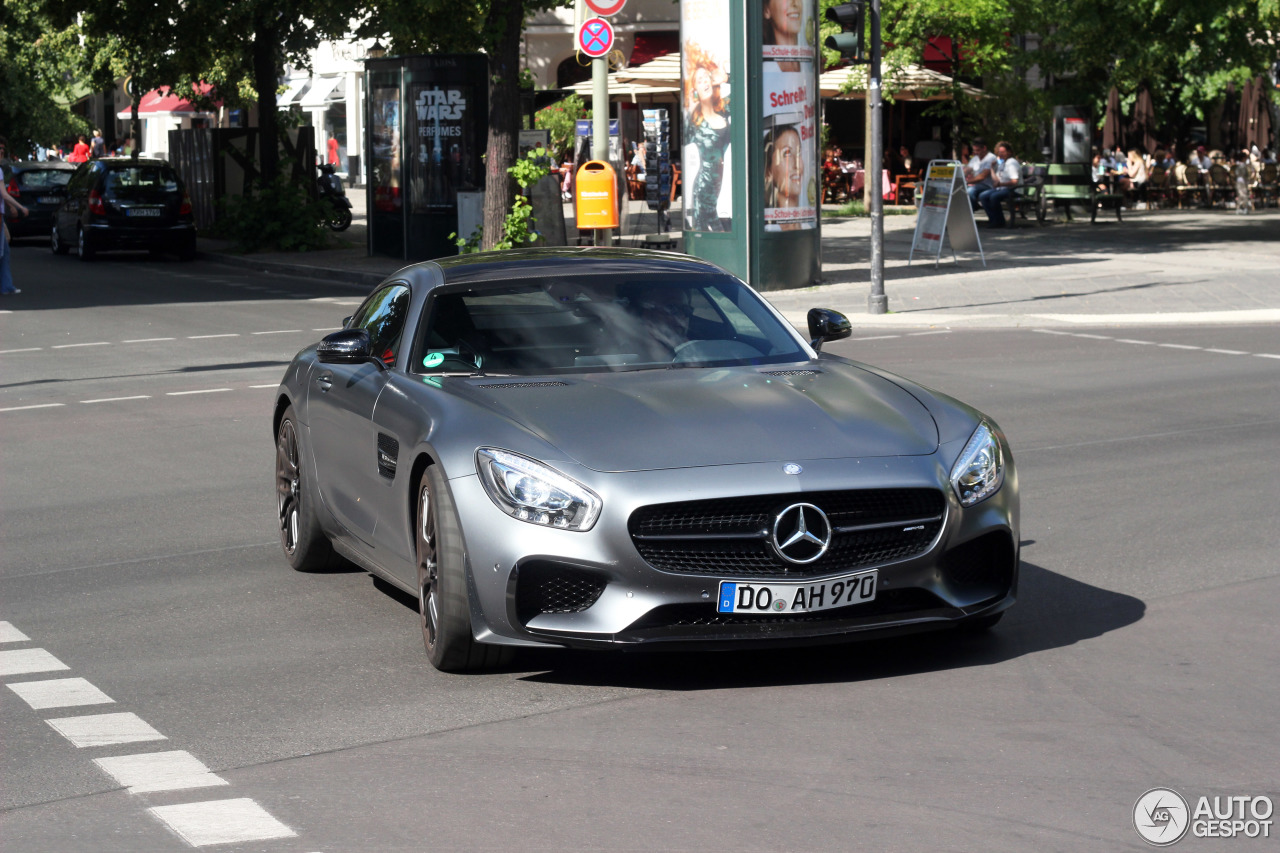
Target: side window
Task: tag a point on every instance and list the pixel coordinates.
(382, 315)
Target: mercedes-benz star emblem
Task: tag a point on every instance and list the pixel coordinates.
(801, 534)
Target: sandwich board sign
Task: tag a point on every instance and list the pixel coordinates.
(945, 214)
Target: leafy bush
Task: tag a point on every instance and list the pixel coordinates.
(283, 217)
(561, 119)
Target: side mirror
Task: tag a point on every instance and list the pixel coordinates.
(349, 346)
(827, 325)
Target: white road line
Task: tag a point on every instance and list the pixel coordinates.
(1095, 337)
(93, 344)
(1265, 355)
(1178, 346)
(1050, 332)
(938, 332)
(10, 634)
(147, 340)
(279, 332)
(177, 770)
(872, 338)
(105, 729)
(37, 406)
(201, 391)
(1227, 351)
(1131, 341)
(60, 693)
(118, 399)
(22, 661)
(339, 329)
(274, 385)
(24, 349)
(222, 822)
(204, 337)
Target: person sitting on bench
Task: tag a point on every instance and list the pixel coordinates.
(1005, 177)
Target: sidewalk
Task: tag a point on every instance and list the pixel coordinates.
(1155, 267)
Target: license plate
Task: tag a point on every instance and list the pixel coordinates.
(143, 211)
(797, 597)
(49, 199)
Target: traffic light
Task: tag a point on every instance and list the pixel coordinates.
(852, 20)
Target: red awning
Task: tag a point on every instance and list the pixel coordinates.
(163, 101)
(652, 45)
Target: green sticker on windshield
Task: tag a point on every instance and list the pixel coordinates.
(433, 359)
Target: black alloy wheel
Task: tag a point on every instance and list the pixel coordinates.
(55, 242)
(304, 544)
(339, 218)
(83, 250)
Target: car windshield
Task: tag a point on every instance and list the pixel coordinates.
(593, 323)
(141, 181)
(44, 179)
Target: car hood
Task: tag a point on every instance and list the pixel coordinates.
(681, 418)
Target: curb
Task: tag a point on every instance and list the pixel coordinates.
(298, 270)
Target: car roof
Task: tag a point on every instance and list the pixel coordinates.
(42, 165)
(569, 260)
(129, 161)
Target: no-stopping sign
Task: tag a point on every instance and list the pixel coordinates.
(595, 37)
(605, 8)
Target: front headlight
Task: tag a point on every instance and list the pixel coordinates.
(979, 471)
(532, 492)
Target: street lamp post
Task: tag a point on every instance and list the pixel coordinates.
(877, 301)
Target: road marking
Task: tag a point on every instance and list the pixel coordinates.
(201, 391)
(279, 332)
(105, 729)
(1226, 351)
(10, 634)
(1266, 355)
(38, 406)
(24, 349)
(1050, 332)
(938, 332)
(206, 337)
(1131, 341)
(22, 661)
(339, 329)
(147, 340)
(274, 385)
(222, 822)
(177, 770)
(1178, 346)
(60, 693)
(92, 344)
(1095, 337)
(872, 338)
(118, 399)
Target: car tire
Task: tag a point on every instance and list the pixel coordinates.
(304, 544)
(444, 610)
(84, 251)
(339, 218)
(55, 242)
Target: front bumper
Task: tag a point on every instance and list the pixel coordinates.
(969, 570)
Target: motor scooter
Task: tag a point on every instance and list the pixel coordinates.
(332, 193)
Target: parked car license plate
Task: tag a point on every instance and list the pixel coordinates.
(49, 199)
(143, 211)
(797, 597)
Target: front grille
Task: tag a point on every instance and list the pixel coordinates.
(543, 587)
(887, 603)
(544, 384)
(730, 537)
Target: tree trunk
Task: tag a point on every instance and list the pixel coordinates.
(266, 74)
(135, 124)
(505, 22)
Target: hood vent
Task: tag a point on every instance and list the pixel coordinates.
(547, 384)
(802, 372)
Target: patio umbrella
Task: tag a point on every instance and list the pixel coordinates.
(1248, 118)
(1144, 122)
(1228, 129)
(1112, 130)
(1260, 129)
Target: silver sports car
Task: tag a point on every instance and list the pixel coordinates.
(620, 449)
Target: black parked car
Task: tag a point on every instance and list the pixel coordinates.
(42, 188)
(120, 203)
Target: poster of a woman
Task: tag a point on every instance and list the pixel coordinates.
(788, 33)
(708, 189)
(790, 111)
(784, 180)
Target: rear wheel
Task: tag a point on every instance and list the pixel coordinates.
(56, 244)
(339, 218)
(443, 606)
(84, 251)
(304, 544)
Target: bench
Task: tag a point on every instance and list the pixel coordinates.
(1072, 183)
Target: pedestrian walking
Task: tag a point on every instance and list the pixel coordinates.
(6, 200)
(80, 153)
(97, 146)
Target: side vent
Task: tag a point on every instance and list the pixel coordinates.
(544, 384)
(388, 452)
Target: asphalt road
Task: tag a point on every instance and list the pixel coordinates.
(138, 548)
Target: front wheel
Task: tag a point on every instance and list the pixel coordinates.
(56, 244)
(443, 606)
(84, 250)
(339, 218)
(304, 544)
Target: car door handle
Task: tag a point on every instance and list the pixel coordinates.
(325, 381)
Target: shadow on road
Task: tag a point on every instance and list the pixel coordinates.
(1053, 611)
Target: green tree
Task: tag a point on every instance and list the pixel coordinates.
(465, 26)
(35, 90)
(560, 120)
